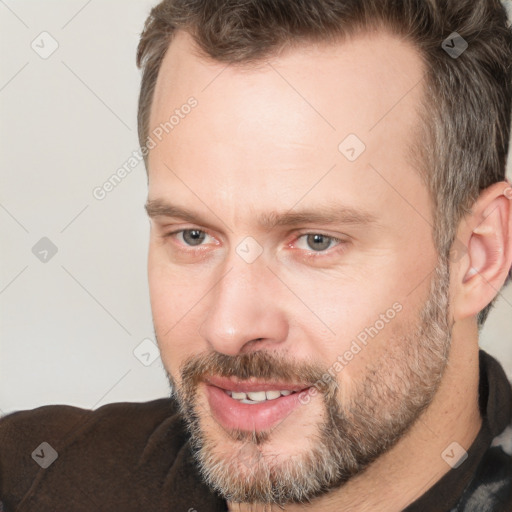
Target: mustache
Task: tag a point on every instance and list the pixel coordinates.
(262, 365)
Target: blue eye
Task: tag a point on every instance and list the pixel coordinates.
(318, 242)
(192, 237)
(311, 242)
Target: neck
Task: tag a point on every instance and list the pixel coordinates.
(415, 463)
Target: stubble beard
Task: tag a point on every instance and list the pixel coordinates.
(381, 407)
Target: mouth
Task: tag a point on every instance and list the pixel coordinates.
(251, 405)
(258, 397)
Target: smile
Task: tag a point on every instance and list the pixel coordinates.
(249, 404)
(257, 397)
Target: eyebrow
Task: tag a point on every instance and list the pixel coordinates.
(323, 214)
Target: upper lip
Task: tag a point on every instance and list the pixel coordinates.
(230, 384)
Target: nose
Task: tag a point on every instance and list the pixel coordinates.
(243, 310)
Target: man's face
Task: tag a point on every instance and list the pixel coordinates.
(306, 264)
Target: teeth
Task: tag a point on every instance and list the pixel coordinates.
(256, 397)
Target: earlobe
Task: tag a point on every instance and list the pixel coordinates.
(488, 232)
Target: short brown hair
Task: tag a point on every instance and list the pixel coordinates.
(467, 102)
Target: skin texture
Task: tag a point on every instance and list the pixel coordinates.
(265, 139)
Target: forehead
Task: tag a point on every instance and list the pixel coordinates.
(276, 127)
(370, 70)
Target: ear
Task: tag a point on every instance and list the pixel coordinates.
(483, 264)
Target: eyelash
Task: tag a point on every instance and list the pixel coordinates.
(308, 254)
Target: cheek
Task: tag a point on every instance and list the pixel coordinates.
(171, 288)
(356, 318)
(175, 309)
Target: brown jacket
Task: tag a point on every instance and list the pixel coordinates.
(128, 457)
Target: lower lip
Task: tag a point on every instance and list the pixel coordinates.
(232, 414)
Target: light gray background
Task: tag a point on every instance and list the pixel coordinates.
(69, 326)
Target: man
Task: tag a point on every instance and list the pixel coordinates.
(330, 224)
